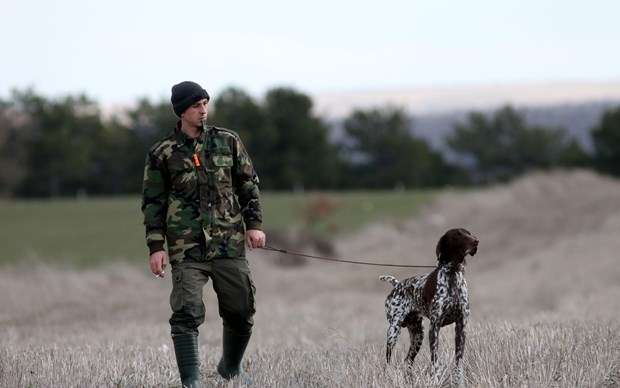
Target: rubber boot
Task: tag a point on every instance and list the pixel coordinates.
(186, 351)
(234, 346)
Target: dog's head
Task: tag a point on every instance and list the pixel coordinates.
(455, 244)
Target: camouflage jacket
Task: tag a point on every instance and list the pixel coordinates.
(199, 195)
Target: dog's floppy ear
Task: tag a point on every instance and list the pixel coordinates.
(440, 244)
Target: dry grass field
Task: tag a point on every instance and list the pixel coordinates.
(544, 292)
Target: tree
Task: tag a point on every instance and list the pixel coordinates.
(58, 140)
(301, 155)
(139, 129)
(505, 146)
(12, 150)
(573, 155)
(606, 139)
(235, 109)
(380, 151)
(117, 163)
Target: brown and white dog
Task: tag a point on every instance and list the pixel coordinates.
(440, 296)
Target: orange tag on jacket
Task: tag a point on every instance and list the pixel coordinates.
(196, 160)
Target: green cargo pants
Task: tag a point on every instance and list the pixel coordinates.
(233, 285)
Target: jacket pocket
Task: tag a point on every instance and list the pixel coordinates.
(223, 169)
(176, 296)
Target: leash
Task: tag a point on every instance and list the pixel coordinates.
(270, 248)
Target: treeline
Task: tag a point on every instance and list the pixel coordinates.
(66, 146)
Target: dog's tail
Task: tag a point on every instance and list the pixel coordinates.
(390, 279)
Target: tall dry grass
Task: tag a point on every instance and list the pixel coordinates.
(499, 354)
(317, 326)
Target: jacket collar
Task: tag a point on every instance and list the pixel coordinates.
(182, 138)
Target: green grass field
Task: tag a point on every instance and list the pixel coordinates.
(88, 232)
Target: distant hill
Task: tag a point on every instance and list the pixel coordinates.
(549, 243)
(577, 107)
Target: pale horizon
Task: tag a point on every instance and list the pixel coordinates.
(468, 97)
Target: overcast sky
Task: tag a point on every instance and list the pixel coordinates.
(116, 51)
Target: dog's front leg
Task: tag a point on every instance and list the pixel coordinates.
(433, 339)
(460, 333)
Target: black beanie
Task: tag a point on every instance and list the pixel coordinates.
(185, 94)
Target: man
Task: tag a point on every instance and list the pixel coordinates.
(201, 197)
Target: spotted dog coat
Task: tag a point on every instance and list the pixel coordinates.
(440, 296)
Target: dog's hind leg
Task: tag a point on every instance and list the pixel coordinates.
(392, 336)
(416, 335)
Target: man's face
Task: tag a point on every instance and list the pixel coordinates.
(196, 114)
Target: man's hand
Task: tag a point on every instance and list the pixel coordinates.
(255, 238)
(159, 260)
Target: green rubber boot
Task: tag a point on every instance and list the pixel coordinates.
(234, 346)
(186, 351)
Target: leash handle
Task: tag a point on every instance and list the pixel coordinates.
(270, 248)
